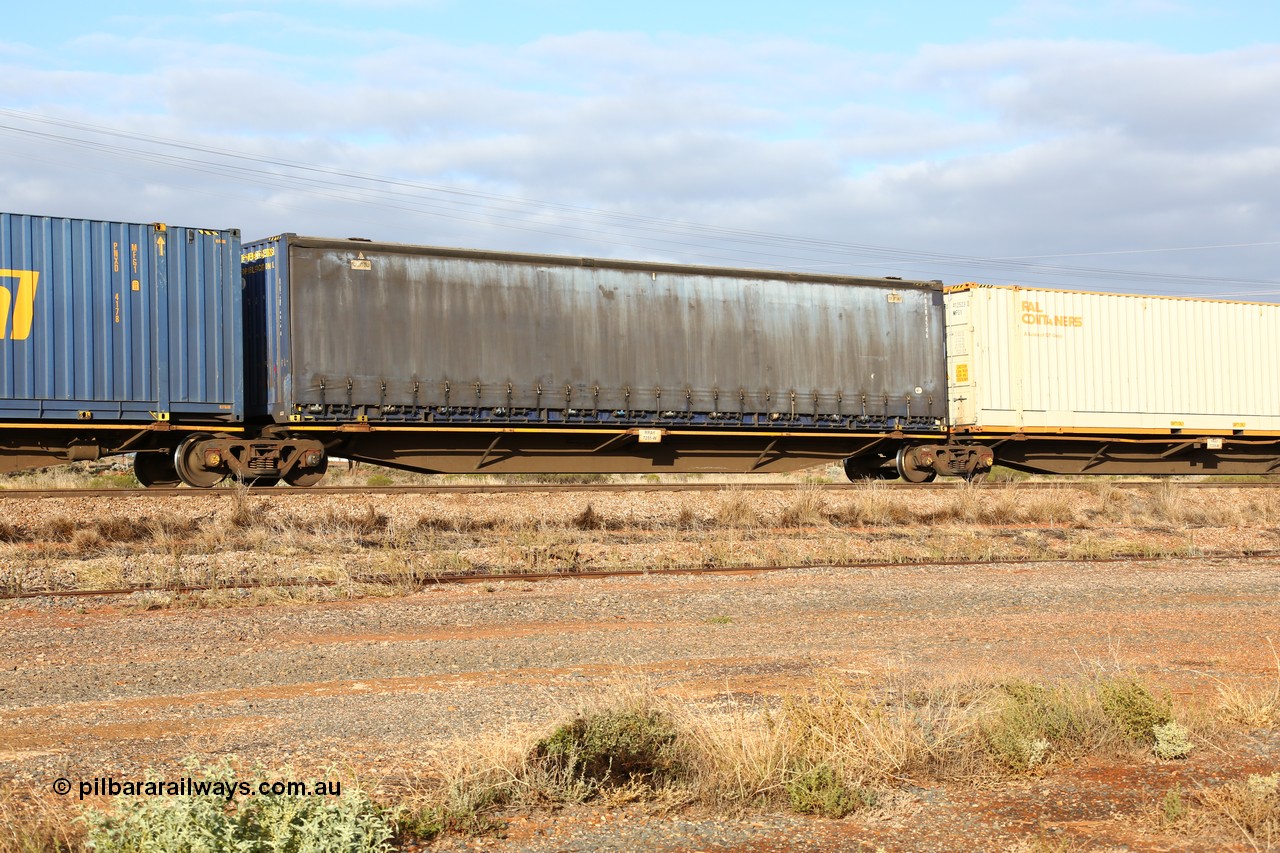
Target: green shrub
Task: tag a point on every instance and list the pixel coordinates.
(472, 817)
(208, 823)
(1132, 709)
(1031, 723)
(611, 748)
(1172, 740)
(1173, 809)
(351, 823)
(819, 790)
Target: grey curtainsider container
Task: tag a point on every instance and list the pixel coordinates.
(117, 321)
(358, 331)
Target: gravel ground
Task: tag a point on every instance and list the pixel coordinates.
(101, 687)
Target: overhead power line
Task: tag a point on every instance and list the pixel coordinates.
(593, 225)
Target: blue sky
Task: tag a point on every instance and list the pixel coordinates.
(1198, 26)
(1127, 145)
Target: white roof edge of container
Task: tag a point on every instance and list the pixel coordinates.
(364, 245)
(973, 285)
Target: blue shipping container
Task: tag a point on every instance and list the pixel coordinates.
(117, 321)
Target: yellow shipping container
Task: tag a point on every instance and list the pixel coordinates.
(1032, 360)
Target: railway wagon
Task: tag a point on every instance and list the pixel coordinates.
(116, 337)
(122, 337)
(450, 360)
(1067, 382)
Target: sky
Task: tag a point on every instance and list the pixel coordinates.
(1125, 145)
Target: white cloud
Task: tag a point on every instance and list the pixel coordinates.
(1005, 148)
(1045, 15)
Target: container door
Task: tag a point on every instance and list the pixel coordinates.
(203, 351)
(961, 376)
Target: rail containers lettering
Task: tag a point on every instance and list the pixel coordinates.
(112, 333)
(454, 360)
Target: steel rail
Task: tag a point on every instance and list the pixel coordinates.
(605, 488)
(491, 577)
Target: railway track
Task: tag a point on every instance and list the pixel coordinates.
(492, 577)
(605, 488)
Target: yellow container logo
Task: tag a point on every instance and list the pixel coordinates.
(24, 304)
(1034, 315)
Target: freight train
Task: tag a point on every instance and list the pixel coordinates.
(208, 359)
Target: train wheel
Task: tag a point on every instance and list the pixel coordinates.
(188, 461)
(909, 472)
(155, 470)
(856, 470)
(862, 470)
(303, 477)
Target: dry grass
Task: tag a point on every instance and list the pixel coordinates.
(244, 513)
(332, 522)
(1251, 806)
(1251, 706)
(837, 748)
(730, 528)
(1050, 506)
(738, 510)
(589, 519)
(61, 529)
(10, 532)
(36, 823)
(826, 751)
(460, 788)
(1168, 503)
(738, 760)
(874, 505)
(1030, 726)
(456, 524)
(807, 509)
(876, 739)
(77, 475)
(611, 748)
